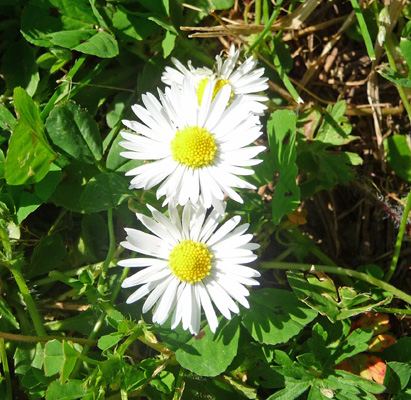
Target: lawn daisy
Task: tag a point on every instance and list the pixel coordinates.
(244, 80)
(190, 265)
(197, 152)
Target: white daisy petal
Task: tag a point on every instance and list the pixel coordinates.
(190, 267)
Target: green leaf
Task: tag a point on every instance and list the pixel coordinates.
(95, 235)
(47, 256)
(315, 293)
(28, 198)
(399, 155)
(405, 46)
(133, 25)
(53, 357)
(19, 67)
(70, 189)
(66, 23)
(8, 322)
(108, 341)
(400, 351)
(70, 358)
(74, 131)
(29, 156)
(72, 390)
(281, 129)
(397, 376)
(103, 192)
(345, 380)
(209, 354)
(275, 316)
(394, 77)
(7, 120)
(291, 392)
(168, 43)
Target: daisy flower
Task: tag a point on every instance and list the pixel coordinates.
(189, 265)
(197, 151)
(245, 80)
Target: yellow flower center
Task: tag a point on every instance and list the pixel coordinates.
(194, 147)
(190, 261)
(218, 85)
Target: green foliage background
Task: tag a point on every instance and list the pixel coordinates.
(70, 71)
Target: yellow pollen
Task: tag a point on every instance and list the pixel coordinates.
(194, 147)
(218, 85)
(190, 261)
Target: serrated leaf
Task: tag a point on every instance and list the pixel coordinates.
(314, 294)
(29, 155)
(281, 129)
(275, 316)
(291, 392)
(208, 353)
(74, 131)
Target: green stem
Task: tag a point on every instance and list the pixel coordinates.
(35, 339)
(6, 371)
(49, 106)
(396, 255)
(129, 341)
(31, 305)
(257, 13)
(110, 253)
(268, 26)
(123, 393)
(385, 310)
(339, 271)
(179, 386)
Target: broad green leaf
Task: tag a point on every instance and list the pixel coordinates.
(209, 354)
(28, 198)
(108, 341)
(66, 23)
(29, 156)
(400, 351)
(133, 25)
(399, 155)
(70, 189)
(47, 256)
(53, 357)
(168, 43)
(345, 380)
(397, 376)
(115, 161)
(275, 316)
(291, 392)
(103, 192)
(19, 67)
(72, 390)
(74, 131)
(281, 130)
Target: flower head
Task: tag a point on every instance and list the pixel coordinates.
(244, 80)
(190, 265)
(197, 152)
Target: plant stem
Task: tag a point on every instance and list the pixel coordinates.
(6, 372)
(397, 249)
(111, 250)
(31, 305)
(340, 271)
(35, 339)
(385, 310)
(257, 13)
